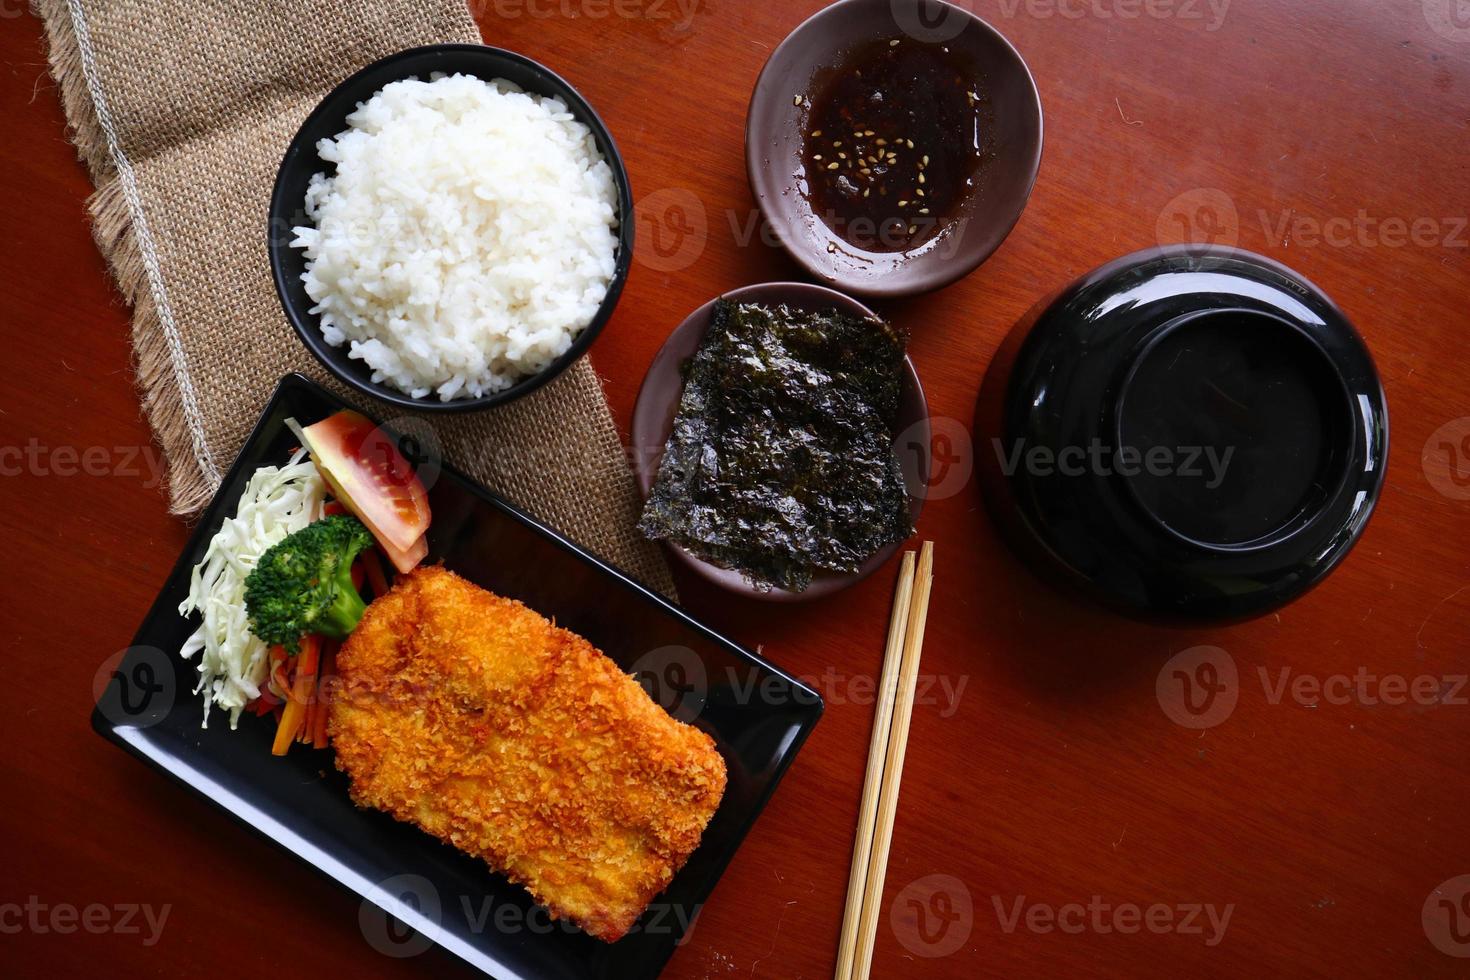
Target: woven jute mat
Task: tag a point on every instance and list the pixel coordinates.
(182, 109)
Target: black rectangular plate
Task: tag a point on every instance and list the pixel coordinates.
(757, 715)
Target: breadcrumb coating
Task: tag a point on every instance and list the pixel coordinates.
(491, 728)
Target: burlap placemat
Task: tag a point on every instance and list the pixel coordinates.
(182, 110)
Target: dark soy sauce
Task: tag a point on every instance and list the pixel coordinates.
(1257, 405)
(895, 135)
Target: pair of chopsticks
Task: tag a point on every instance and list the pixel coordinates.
(885, 765)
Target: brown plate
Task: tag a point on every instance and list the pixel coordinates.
(658, 403)
(775, 124)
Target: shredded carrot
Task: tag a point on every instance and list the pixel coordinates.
(332, 508)
(357, 575)
(306, 690)
(374, 567)
(308, 717)
(328, 669)
(285, 729)
(299, 697)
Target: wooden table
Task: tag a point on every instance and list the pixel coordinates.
(1073, 823)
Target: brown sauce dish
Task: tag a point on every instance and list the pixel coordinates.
(892, 145)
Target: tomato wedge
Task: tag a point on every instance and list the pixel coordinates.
(370, 477)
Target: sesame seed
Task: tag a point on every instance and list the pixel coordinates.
(833, 166)
(816, 133)
(921, 178)
(893, 43)
(818, 157)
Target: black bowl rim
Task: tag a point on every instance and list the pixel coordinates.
(1373, 439)
(878, 289)
(1306, 517)
(305, 325)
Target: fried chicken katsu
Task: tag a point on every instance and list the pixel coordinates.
(491, 728)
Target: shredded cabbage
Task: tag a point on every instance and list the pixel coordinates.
(277, 501)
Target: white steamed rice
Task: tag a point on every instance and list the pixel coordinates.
(466, 238)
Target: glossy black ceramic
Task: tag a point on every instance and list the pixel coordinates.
(288, 201)
(1185, 435)
(757, 715)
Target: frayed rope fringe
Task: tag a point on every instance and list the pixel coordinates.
(156, 373)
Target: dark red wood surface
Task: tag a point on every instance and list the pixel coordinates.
(1330, 134)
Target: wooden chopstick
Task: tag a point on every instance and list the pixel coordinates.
(877, 753)
(898, 740)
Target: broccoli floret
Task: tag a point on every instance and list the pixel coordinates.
(303, 584)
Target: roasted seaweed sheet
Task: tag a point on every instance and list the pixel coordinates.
(781, 458)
